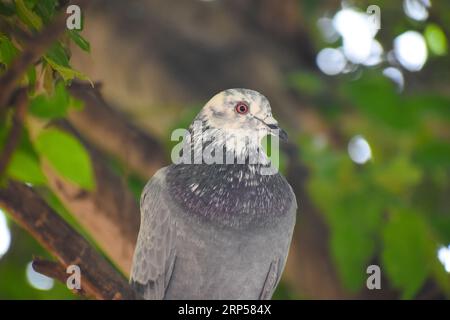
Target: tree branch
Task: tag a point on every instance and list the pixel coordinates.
(109, 212)
(108, 129)
(33, 50)
(54, 270)
(14, 135)
(98, 278)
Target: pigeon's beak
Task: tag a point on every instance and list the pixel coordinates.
(274, 127)
(276, 130)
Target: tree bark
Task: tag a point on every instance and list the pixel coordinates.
(15, 133)
(34, 49)
(98, 278)
(110, 212)
(110, 131)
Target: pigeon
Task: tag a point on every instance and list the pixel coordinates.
(217, 230)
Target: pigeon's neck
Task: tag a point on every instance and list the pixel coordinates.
(207, 145)
(229, 195)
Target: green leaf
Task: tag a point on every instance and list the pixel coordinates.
(6, 9)
(352, 250)
(54, 106)
(406, 252)
(31, 76)
(25, 165)
(79, 40)
(67, 73)
(28, 16)
(375, 96)
(433, 154)
(46, 9)
(58, 59)
(436, 40)
(7, 50)
(441, 225)
(58, 54)
(429, 102)
(355, 220)
(136, 185)
(398, 175)
(352, 208)
(48, 82)
(76, 103)
(67, 156)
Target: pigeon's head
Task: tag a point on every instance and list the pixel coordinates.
(234, 121)
(246, 112)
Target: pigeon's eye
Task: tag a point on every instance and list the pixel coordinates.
(241, 107)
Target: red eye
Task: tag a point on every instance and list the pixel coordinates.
(241, 108)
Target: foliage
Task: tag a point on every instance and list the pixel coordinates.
(42, 143)
(49, 100)
(383, 208)
(394, 209)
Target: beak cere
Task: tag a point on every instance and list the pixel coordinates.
(275, 129)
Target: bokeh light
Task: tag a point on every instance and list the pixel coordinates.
(444, 257)
(411, 50)
(376, 54)
(357, 32)
(37, 280)
(359, 150)
(395, 75)
(5, 235)
(331, 61)
(416, 9)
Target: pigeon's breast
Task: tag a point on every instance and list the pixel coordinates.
(229, 195)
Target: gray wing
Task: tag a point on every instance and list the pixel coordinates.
(270, 284)
(154, 256)
(277, 265)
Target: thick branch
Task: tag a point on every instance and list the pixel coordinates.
(109, 130)
(109, 212)
(54, 270)
(33, 50)
(98, 278)
(13, 138)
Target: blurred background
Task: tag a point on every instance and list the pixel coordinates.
(362, 87)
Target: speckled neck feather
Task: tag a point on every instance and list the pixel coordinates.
(236, 196)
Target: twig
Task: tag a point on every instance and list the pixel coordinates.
(14, 135)
(54, 270)
(98, 278)
(34, 49)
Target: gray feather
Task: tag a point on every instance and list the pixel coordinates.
(154, 255)
(213, 260)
